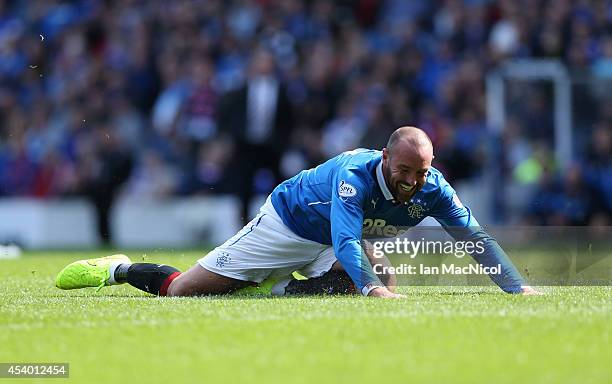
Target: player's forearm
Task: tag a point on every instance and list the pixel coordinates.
(355, 263)
(509, 279)
(387, 278)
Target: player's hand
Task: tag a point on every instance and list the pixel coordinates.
(385, 293)
(529, 291)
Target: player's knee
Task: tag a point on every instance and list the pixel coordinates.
(181, 287)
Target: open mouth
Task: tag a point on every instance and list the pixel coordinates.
(406, 188)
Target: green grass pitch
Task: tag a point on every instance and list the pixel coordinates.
(436, 335)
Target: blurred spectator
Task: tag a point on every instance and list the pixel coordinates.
(568, 201)
(231, 96)
(212, 172)
(152, 178)
(169, 101)
(344, 132)
(197, 118)
(104, 165)
(259, 118)
(602, 67)
(599, 167)
(18, 170)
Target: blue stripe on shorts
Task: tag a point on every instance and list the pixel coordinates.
(250, 230)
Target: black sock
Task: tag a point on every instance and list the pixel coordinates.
(151, 278)
(331, 283)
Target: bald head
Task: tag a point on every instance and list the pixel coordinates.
(409, 138)
(406, 162)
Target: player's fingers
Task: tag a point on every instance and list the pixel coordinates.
(528, 291)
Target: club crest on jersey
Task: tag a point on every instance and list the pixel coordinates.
(346, 190)
(415, 211)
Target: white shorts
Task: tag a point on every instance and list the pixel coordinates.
(266, 247)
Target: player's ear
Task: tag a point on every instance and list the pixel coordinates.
(385, 154)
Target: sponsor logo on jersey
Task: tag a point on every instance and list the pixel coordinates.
(346, 190)
(379, 227)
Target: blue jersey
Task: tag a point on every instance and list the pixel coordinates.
(345, 198)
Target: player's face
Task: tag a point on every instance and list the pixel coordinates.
(406, 171)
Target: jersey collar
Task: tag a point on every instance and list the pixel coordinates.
(381, 182)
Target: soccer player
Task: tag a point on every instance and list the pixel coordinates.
(312, 224)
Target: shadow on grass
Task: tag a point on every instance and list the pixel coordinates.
(152, 297)
(449, 292)
(472, 293)
(408, 291)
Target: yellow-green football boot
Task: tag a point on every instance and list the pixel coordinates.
(262, 289)
(272, 286)
(89, 273)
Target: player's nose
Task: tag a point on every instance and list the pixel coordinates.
(410, 180)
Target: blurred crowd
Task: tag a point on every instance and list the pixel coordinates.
(161, 98)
